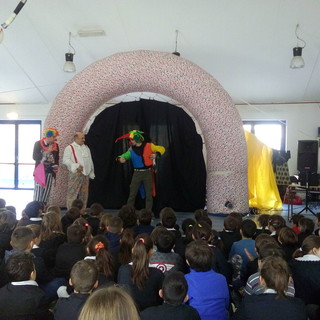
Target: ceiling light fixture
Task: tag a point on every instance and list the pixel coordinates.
(297, 61)
(91, 33)
(7, 23)
(176, 47)
(69, 66)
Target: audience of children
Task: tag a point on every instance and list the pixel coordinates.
(124, 251)
(83, 279)
(174, 294)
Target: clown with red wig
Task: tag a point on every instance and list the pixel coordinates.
(142, 155)
(46, 155)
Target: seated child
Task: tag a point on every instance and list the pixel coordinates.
(306, 228)
(262, 224)
(31, 214)
(96, 211)
(207, 290)
(22, 298)
(83, 278)
(295, 221)
(128, 216)
(67, 220)
(174, 293)
(7, 224)
(70, 252)
(199, 214)
(168, 220)
(144, 219)
(238, 255)
(164, 258)
(113, 234)
(230, 234)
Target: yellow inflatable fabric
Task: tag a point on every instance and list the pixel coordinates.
(262, 187)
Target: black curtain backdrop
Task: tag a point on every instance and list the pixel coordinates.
(181, 173)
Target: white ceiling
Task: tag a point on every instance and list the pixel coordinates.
(245, 44)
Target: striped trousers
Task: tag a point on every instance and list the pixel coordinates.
(42, 194)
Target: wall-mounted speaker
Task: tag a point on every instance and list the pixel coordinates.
(308, 155)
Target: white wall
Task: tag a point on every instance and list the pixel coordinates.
(302, 120)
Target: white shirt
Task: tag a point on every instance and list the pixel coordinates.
(84, 159)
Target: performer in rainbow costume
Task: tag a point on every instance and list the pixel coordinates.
(46, 155)
(142, 155)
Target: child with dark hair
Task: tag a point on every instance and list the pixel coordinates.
(96, 211)
(210, 303)
(288, 240)
(273, 303)
(97, 250)
(144, 219)
(70, 252)
(78, 203)
(295, 221)
(22, 298)
(128, 216)
(306, 228)
(68, 219)
(113, 234)
(202, 231)
(174, 293)
(83, 278)
(84, 223)
(168, 220)
(275, 224)
(164, 258)
(199, 214)
(181, 243)
(262, 224)
(230, 234)
(238, 255)
(32, 213)
(142, 281)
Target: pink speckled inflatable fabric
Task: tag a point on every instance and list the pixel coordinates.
(177, 78)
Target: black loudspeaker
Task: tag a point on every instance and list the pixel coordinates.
(308, 155)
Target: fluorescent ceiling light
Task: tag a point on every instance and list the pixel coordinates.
(91, 33)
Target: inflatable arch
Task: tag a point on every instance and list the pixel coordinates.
(177, 78)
